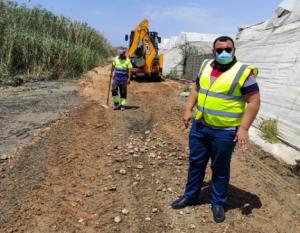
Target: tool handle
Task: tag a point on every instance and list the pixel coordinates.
(109, 86)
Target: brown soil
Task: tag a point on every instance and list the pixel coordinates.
(81, 172)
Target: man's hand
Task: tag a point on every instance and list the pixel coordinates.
(128, 81)
(242, 138)
(242, 135)
(191, 101)
(187, 117)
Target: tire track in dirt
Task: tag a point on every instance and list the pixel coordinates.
(138, 189)
(278, 186)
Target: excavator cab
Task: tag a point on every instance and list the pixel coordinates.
(155, 39)
(138, 57)
(143, 51)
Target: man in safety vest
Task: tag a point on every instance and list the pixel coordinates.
(228, 99)
(121, 71)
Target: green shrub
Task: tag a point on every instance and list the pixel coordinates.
(187, 88)
(172, 75)
(269, 130)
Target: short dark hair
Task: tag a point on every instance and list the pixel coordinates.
(223, 38)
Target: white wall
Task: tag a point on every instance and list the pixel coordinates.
(274, 47)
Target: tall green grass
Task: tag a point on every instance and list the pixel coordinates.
(35, 42)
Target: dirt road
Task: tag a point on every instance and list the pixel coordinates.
(99, 170)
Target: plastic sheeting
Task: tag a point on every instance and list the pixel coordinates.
(172, 48)
(274, 47)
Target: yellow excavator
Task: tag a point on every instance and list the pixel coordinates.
(143, 52)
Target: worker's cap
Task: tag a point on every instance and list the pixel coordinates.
(122, 51)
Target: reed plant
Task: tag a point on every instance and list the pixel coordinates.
(36, 42)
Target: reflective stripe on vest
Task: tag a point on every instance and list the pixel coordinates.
(221, 103)
(221, 96)
(121, 71)
(220, 113)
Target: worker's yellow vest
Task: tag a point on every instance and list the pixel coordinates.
(221, 103)
(122, 64)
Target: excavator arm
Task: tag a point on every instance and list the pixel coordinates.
(141, 35)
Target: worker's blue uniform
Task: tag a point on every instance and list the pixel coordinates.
(217, 144)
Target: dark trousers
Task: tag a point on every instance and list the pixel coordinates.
(205, 143)
(119, 85)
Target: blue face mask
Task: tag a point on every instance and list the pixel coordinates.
(224, 58)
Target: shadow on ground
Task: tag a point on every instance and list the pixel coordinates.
(145, 79)
(237, 199)
(131, 107)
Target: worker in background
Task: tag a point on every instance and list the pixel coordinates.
(121, 72)
(228, 99)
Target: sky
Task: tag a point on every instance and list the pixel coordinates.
(115, 18)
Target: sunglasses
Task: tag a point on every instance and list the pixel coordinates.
(220, 50)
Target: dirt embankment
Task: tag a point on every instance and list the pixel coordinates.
(99, 170)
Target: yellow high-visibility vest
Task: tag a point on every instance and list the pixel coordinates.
(221, 103)
(122, 66)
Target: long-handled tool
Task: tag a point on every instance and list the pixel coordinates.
(108, 93)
